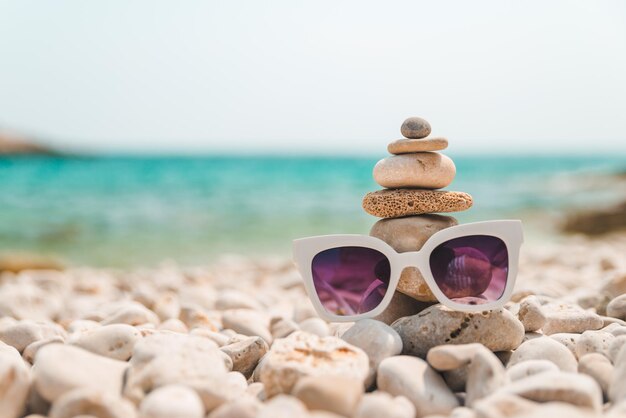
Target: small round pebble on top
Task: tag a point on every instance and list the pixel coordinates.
(415, 128)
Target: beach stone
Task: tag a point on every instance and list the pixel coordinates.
(282, 327)
(498, 330)
(81, 402)
(377, 339)
(530, 314)
(381, 404)
(219, 390)
(568, 339)
(409, 234)
(415, 128)
(561, 317)
(196, 317)
(593, 342)
(315, 326)
(599, 368)
(60, 368)
(485, 372)
(244, 407)
(427, 170)
(615, 285)
(502, 405)
(31, 351)
(615, 347)
(174, 325)
(14, 382)
(303, 354)
(172, 401)
(545, 349)
(394, 203)
(576, 389)
(132, 314)
(115, 341)
(236, 299)
(247, 322)
(400, 306)
(167, 306)
(529, 368)
(81, 325)
(219, 338)
(329, 393)
(414, 379)
(617, 388)
(283, 406)
(171, 358)
(408, 146)
(617, 307)
(25, 332)
(246, 354)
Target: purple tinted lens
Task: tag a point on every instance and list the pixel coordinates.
(350, 280)
(471, 270)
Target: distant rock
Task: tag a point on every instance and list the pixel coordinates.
(12, 144)
(598, 221)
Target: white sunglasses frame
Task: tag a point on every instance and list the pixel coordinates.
(509, 231)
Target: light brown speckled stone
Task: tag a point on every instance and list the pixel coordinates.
(428, 170)
(415, 128)
(409, 234)
(405, 202)
(406, 146)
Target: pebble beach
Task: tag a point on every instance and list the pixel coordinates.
(240, 338)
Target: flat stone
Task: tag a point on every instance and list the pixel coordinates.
(617, 307)
(498, 330)
(115, 341)
(329, 393)
(302, 354)
(426, 170)
(82, 402)
(60, 368)
(377, 339)
(576, 389)
(381, 404)
(409, 234)
(15, 378)
(172, 401)
(407, 146)
(529, 368)
(395, 203)
(545, 349)
(485, 372)
(599, 368)
(415, 128)
(414, 379)
(246, 354)
(562, 317)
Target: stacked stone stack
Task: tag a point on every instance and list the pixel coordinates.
(412, 177)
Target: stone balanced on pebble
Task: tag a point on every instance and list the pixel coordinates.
(410, 200)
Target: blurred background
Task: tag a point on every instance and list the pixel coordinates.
(134, 132)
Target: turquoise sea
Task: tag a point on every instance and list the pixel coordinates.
(121, 211)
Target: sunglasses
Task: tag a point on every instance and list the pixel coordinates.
(470, 267)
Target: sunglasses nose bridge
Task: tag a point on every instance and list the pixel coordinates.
(409, 259)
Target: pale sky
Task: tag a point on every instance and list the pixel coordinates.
(316, 76)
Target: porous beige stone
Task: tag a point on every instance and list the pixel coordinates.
(415, 128)
(530, 314)
(409, 234)
(568, 318)
(426, 170)
(594, 342)
(599, 368)
(115, 341)
(407, 146)
(498, 330)
(302, 354)
(87, 401)
(394, 203)
(246, 354)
